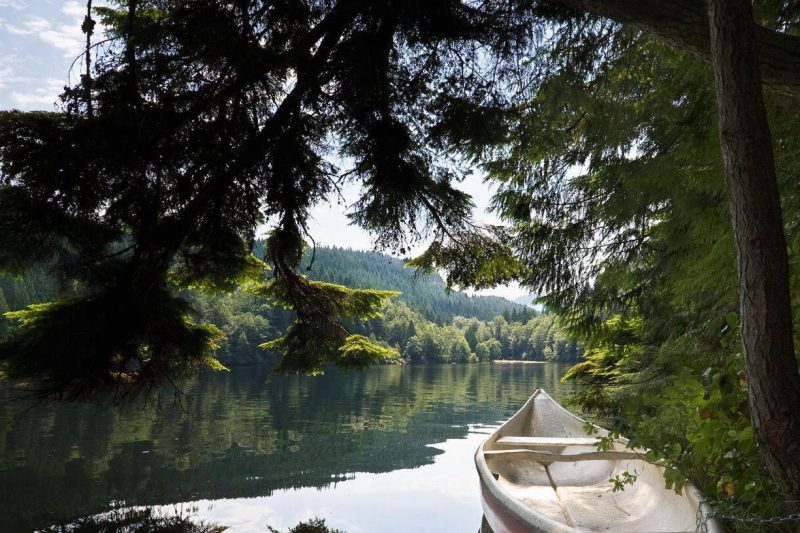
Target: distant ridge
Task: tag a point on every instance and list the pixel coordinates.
(424, 293)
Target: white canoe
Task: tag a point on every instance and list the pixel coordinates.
(541, 471)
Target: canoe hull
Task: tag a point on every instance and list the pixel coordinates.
(503, 513)
(498, 517)
(532, 481)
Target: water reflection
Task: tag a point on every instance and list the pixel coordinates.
(239, 438)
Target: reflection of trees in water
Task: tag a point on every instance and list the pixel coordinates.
(240, 438)
(139, 520)
(177, 520)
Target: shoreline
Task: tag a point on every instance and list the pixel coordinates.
(514, 362)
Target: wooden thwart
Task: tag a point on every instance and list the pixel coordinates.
(549, 457)
(541, 442)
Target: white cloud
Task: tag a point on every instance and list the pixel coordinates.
(28, 101)
(17, 30)
(29, 27)
(11, 4)
(66, 37)
(9, 76)
(42, 97)
(6, 75)
(37, 24)
(74, 9)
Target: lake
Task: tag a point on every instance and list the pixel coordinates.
(388, 449)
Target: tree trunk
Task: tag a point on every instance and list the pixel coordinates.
(684, 24)
(770, 363)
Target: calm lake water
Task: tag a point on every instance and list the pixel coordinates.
(384, 450)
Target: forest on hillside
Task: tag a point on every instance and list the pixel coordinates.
(423, 324)
(425, 293)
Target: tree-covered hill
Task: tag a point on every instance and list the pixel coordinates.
(424, 324)
(425, 294)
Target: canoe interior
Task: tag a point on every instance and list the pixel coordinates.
(568, 496)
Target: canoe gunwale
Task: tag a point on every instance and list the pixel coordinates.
(540, 457)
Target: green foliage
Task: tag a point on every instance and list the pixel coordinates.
(337, 299)
(246, 319)
(112, 345)
(471, 260)
(31, 218)
(359, 351)
(537, 339)
(607, 368)
(688, 408)
(619, 481)
(317, 336)
(315, 525)
(715, 446)
(226, 274)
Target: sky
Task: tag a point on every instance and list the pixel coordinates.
(40, 53)
(39, 39)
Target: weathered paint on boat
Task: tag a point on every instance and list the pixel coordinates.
(553, 480)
